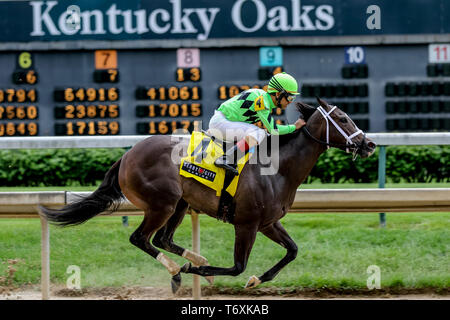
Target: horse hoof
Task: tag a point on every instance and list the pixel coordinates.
(210, 279)
(186, 267)
(252, 282)
(175, 283)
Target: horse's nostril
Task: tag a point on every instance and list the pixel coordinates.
(371, 145)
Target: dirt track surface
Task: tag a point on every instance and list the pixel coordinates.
(212, 293)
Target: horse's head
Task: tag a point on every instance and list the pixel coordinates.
(332, 127)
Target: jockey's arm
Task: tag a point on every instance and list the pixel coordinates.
(271, 126)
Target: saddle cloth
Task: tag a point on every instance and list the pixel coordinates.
(199, 164)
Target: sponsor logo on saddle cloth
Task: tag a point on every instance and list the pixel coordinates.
(199, 164)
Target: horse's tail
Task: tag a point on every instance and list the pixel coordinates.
(106, 198)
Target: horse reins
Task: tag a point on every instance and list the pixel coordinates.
(348, 146)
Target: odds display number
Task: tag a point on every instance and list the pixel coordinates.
(355, 55)
(25, 60)
(439, 53)
(105, 59)
(270, 56)
(188, 58)
(188, 74)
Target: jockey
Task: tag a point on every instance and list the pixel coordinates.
(236, 117)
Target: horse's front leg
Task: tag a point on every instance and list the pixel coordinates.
(277, 233)
(244, 240)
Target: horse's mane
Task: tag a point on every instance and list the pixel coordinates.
(283, 140)
(305, 112)
(287, 138)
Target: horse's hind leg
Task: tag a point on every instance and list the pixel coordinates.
(278, 234)
(164, 238)
(153, 221)
(244, 239)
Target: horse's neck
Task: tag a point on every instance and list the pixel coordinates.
(298, 158)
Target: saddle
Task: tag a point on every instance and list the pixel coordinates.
(202, 151)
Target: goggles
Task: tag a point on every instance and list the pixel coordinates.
(290, 97)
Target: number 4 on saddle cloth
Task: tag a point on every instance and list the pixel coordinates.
(202, 151)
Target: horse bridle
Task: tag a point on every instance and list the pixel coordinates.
(350, 146)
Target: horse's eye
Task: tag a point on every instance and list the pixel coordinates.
(343, 119)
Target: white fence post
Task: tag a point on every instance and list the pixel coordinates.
(45, 259)
(196, 288)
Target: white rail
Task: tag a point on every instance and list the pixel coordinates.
(24, 204)
(429, 138)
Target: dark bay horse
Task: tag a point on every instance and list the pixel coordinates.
(149, 178)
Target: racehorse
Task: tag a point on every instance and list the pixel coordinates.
(148, 178)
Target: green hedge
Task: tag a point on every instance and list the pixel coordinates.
(86, 167)
(403, 164)
(56, 167)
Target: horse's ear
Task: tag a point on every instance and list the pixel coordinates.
(305, 109)
(322, 103)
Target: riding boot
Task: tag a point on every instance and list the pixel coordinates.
(229, 160)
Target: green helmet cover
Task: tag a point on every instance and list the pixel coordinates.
(282, 81)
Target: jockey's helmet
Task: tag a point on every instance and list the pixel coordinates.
(283, 82)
